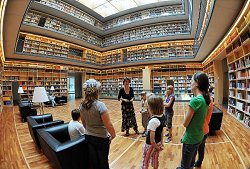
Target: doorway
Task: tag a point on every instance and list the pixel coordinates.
(71, 87)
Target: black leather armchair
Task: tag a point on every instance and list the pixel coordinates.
(61, 151)
(38, 122)
(61, 99)
(25, 109)
(215, 121)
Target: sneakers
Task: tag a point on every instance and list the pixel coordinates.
(168, 140)
(196, 164)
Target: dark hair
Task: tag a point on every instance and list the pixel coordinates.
(75, 114)
(125, 79)
(89, 99)
(203, 83)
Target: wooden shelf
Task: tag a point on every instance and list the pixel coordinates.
(30, 77)
(238, 58)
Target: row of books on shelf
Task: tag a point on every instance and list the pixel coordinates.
(144, 14)
(71, 10)
(134, 34)
(242, 117)
(125, 19)
(164, 29)
(71, 30)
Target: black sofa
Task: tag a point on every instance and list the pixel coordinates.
(215, 121)
(61, 151)
(26, 109)
(38, 122)
(61, 99)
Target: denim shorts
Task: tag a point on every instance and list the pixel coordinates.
(169, 118)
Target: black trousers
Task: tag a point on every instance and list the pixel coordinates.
(98, 151)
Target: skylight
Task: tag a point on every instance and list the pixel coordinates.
(109, 7)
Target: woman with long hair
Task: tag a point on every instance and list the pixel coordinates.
(126, 95)
(99, 130)
(194, 119)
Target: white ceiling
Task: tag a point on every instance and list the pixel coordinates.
(109, 7)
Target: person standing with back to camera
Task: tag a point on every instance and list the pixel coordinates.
(99, 130)
(126, 95)
(194, 119)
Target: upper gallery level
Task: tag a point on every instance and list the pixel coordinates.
(78, 24)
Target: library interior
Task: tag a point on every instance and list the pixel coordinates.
(51, 50)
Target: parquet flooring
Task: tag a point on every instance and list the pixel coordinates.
(228, 149)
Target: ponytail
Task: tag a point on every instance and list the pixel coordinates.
(203, 84)
(206, 96)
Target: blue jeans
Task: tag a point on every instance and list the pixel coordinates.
(188, 155)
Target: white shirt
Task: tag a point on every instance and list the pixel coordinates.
(154, 123)
(75, 129)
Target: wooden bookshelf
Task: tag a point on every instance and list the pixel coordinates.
(156, 51)
(1, 88)
(144, 15)
(180, 75)
(238, 58)
(147, 31)
(30, 76)
(35, 18)
(169, 10)
(209, 70)
(39, 19)
(73, 11)
(41, 45)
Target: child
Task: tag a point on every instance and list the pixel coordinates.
(169, 112)
(144, 113)
(154, 139)
(194, 119)
(75, 128)
(201, 149)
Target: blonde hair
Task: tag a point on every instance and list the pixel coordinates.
(90, 87)
(155, 104)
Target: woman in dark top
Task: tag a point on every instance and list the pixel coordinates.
(126, 95)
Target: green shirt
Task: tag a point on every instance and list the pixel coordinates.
(194, 131)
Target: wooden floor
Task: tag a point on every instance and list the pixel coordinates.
(228, 149)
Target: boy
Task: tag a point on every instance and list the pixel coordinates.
(144, 113)
(75, 128)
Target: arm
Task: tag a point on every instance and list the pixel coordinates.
(169, 103)
(83, 121)
(188, 117)
(152, 141)
(132, 94)
(108, 124)
(82, 118)
(81, 129)
(120, 94)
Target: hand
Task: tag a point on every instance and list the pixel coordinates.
(126, 100)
